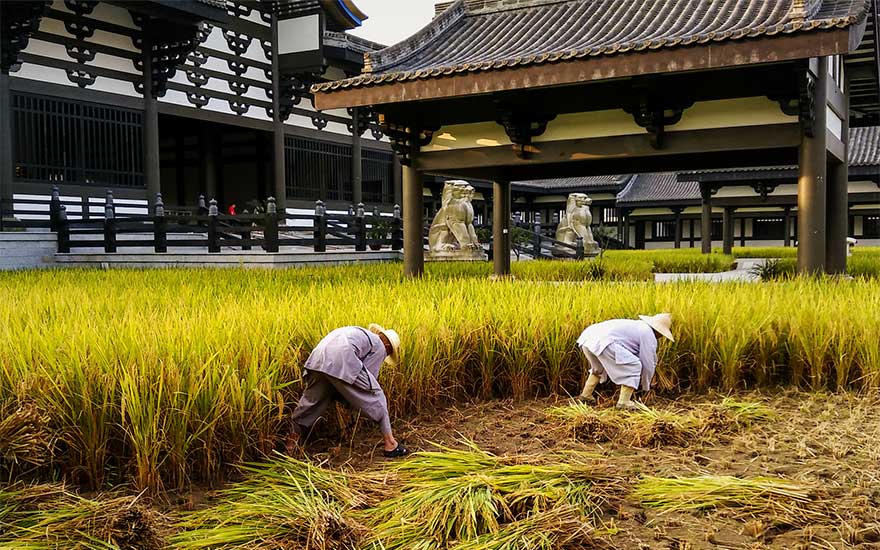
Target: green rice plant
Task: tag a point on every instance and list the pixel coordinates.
(451, 496)
(767, 497)
(775, 269)
(285, 504)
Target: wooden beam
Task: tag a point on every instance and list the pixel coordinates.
(762, 137)
(731, 53)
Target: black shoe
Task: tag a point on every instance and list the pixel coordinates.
(398, 452)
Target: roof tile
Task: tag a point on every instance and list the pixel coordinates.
(493, 34)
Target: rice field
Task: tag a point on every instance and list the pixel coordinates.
(166, 378)
(791, 471)
(122, 389)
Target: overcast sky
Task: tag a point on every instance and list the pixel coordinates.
(391, 21)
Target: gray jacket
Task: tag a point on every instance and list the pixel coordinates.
(346, 352)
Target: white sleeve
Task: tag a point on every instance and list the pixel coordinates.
(648, 358)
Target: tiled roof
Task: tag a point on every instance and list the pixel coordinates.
(483, 35)
(576, 183)
(864, 146)
(649, 188)
(350, 42)
(215, 3)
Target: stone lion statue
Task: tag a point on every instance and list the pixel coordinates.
(576, 223)
(452, 234)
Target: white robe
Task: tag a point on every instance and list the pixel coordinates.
(626, 349)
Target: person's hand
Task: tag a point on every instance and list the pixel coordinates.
(292, 445)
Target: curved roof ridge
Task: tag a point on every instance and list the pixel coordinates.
(388, 57)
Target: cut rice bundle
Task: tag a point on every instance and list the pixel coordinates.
(285, 504)
(782, 500)
(458, 496)
(50, 516)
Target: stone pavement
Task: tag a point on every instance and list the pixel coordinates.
(741, 273)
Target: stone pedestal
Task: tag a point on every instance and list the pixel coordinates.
(591, 250)
(466, 255)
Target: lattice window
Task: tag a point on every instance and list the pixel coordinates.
(321, 170)
(60, 140)
(609, 215)
(378, 176)
(664, 230)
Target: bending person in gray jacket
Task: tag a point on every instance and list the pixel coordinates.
(346, 364)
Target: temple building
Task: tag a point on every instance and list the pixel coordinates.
(186, 98)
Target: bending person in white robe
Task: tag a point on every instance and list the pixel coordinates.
(625, 351)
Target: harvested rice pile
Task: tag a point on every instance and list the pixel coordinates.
(283, 505)
(50, 516)
(655, 428)
(773, 500)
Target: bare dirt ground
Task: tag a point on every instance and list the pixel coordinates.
(831, 441)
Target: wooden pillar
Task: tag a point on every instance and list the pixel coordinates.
(180, 169)
(626, 230)
(501, 227)
(208, 156)
(279, 186)
(706, 221)
(413, 221)
(742, 231)
(786, 221)
(263, 144)
(398, 181)
(6, 161)
(837, 211)
(677, 227)
(152, 172)
(811, 182)
(727, 222)
(691, 236)
(357, 179)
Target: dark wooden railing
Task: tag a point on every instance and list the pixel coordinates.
(204, 227)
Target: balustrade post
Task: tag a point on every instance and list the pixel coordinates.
(213, 242)
(160, 226)
(536, 239)
(320, 227)
(360, 229)
(579, 250)
(109, 223)
(63, 230)
(54, 209)
(203, 208)
(271, 230)
(397, 229)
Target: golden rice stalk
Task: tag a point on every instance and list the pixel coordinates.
(547, 530)
(767, 497)
(747, 412)
(25, 437)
